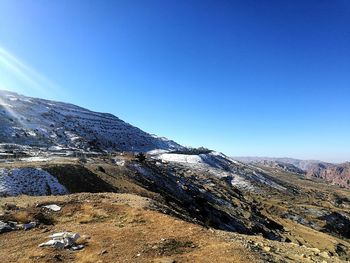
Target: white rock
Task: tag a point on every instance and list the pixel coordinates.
(53, 243)
(63, 235)
(63, 240)
(53, 207)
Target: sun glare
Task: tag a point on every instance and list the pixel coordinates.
(17, 75)
(8, 108)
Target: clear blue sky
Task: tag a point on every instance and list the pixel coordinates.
(258, 78)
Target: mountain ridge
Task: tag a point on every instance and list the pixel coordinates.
(336, 173)
(39, 122)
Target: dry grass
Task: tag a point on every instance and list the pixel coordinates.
(91, 214)
(22, 217)
(146, 236)
(88, 258)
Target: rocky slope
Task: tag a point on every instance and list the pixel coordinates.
(43, 123)
(208, 187)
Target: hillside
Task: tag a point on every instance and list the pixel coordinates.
(43, 123)
(117, 228)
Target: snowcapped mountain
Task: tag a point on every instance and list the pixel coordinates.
(44, 123)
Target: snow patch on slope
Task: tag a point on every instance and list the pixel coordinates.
(29, 181)
(218, 165)
(214, 164)
(182, 158)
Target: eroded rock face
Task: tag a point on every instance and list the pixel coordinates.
(336, 174)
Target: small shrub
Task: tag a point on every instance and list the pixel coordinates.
(22, 217)
(101, 169)
(193, 151)
(141, 157)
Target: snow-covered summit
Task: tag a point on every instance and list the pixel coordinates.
(44, 123)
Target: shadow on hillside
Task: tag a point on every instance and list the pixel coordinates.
(77, 179)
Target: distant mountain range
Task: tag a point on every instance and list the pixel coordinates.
(44, 123)
(334, 173)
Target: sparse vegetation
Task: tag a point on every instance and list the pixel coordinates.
(141, 157)
(173, 246)
(90, 213)
(22, 217)
(146, 235)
